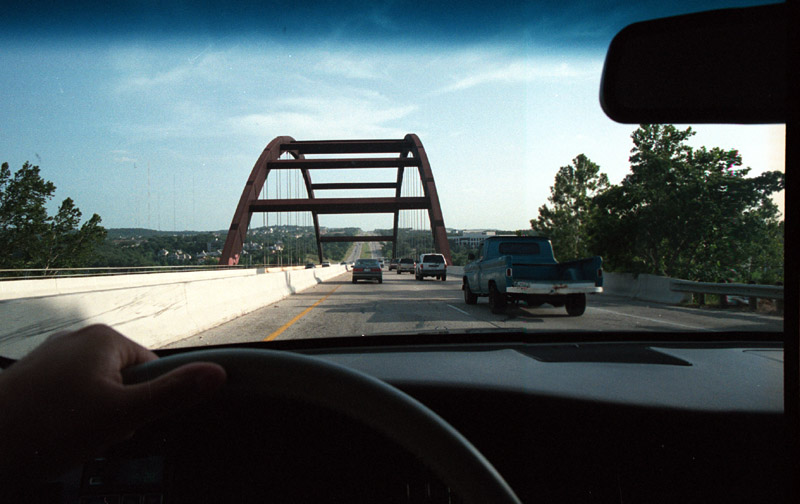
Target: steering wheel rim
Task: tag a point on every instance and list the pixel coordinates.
(363, 398)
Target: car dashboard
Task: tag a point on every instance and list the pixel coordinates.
(626, 421)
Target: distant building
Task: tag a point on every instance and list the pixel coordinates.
(471, 239)
(179, 256)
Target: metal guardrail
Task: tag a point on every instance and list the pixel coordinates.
(729, 289)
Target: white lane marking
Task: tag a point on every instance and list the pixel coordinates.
(459, 310)
(657, 321)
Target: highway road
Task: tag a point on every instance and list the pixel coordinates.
(355, 252)
(402, 304)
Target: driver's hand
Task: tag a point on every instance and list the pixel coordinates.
(65, 401)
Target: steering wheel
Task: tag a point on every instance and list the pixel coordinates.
(413, 426)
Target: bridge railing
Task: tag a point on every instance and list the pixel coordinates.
(28, 273)
(31, 273)
(752, 292)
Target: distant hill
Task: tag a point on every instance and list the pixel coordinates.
(126, 233)
(130, 233)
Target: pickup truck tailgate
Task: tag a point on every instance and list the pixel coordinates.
(573, 277)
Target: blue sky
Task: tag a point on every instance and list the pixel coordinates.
(500, 97)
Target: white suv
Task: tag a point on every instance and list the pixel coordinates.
(406, 265)
(431, 265)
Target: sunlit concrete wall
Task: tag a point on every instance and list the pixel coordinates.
(152, 309)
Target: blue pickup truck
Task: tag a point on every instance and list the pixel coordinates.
(510, 269)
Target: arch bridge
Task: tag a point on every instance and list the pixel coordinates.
(286, 153)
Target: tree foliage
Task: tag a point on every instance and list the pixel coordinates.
(29, 237)
(689, 213)
(680, 212)
(567, 221)
(459, 253)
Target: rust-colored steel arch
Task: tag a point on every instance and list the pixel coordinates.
(409, 153)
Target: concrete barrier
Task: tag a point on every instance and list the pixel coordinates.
(645, 287)
(620, 284)
(455, 271)
(152, 309)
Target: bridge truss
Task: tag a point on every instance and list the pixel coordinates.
(286, 153)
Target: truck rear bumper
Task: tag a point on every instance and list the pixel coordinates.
(431, 272)
(553, 288)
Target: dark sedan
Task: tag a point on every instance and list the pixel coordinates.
(367, 269)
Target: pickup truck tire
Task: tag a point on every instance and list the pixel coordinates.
(497, 300)
(576, 304)
(469, 296)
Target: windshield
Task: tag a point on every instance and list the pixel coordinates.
(135, 159)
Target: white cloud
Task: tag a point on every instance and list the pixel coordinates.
(318, 118)
(349, 67)
(122, 157)
(238, 91)
(518, 71)
(164, 69)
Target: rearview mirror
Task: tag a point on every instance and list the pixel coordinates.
(725, 66)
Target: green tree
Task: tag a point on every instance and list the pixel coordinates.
(459, 253)
(567, 221)
(687, 213)
(29, 237)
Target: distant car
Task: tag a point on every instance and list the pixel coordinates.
(367, 269)
(393, 264)
(311, 266)
(406, 265)
(326, 264)
(431, 265)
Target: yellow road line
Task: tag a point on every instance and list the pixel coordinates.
(287, 325)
